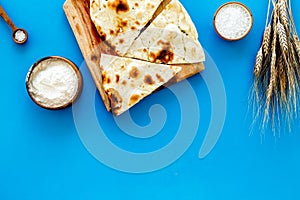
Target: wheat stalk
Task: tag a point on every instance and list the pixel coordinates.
(273, 76)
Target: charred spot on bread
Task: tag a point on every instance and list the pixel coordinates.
(105, 78)
(119, 6)
(102, 36)
(123, 23)
(121, 41)
(111, 32)
(117, 78)
(149, 80)
(124, 83)
(134, 99)
(134, 72)
(101, 33)
(165, 55)
(115, 100)
(94, 58)
(160, 78)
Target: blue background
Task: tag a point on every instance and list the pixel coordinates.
(42, 156)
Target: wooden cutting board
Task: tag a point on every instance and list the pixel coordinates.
(91, 46)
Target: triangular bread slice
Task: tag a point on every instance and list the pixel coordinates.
(127, 81)
(171, 38)
(119, 22)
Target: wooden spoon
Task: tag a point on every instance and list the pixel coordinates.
(19, 35)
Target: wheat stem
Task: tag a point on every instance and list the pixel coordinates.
(272, 81)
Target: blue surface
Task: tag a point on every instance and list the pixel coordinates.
(42, 156)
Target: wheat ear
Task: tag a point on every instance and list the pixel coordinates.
(258, 62)
(283, 41)
(294, 58)
(282, 80)
(266, 40)
(272, 81)
(297, 46)
(292, 86)
(283, 15)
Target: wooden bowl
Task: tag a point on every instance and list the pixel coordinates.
(35, 69)
(237, 36)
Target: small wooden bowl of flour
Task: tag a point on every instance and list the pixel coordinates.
(233, 21)
(54, 82)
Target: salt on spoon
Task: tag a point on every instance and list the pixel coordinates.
(19, 35)
(233, 21)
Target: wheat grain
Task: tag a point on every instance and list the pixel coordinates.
(266, 40)
(272, 79)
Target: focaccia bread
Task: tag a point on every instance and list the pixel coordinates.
(127, 81)
(170, 39)
(119, 22)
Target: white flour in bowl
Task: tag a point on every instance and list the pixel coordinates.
(53, 83)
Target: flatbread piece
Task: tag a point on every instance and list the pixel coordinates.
(127, 81)
(171, 38)
(119, 21)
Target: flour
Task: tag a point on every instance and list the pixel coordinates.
(53, 83)
(233, 21)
